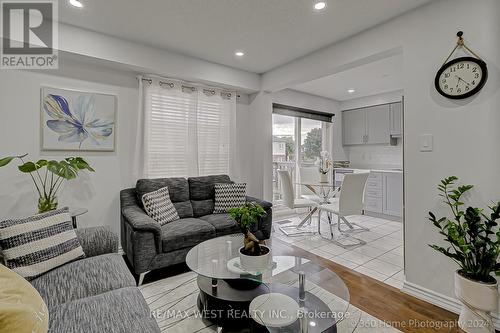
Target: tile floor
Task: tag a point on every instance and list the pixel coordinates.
(381, 258)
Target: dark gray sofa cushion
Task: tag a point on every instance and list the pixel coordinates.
(202, 193)
(83, 278)
(185, 233)
(118, 311)
(223, 224)
(178, 189)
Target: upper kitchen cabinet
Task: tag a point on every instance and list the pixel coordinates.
(377, 125)
(370, 125)
(354, 127)
(396, 121)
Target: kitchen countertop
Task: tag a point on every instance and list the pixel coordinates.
(383, 170)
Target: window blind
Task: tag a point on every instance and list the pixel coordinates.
(286, 110)
(187, 133)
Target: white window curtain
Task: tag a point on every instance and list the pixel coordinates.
(187, 130)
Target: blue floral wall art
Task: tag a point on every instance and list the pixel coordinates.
(79, 121)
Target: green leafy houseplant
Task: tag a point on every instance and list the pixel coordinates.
(475, 247)
(246, 216)
(48, 181)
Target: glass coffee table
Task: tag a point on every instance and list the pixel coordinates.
(314, 297)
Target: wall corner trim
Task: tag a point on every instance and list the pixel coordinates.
(443, 301)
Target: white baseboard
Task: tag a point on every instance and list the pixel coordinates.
(448, 303)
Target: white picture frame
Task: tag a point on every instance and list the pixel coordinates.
(75, 120)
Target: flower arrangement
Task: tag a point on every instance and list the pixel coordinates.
(324, 162)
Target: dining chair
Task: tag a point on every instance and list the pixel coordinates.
(349, 202)
(291, 202)
(309, 174)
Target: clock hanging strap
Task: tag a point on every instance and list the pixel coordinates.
(461, 43)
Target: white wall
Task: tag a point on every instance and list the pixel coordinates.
(466, 135)
(20, 133)
(389, 97)
(99, 191)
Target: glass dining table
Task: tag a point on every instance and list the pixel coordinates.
(324, 191)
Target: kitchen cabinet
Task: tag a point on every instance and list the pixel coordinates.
(377, 125)
(393, 194)
(384, 193)
(354, 127)
(374, 193)
(370, 125)
(396, 119)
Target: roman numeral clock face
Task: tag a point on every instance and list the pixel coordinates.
(461, 77)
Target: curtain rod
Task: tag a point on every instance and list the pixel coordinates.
(184, 84)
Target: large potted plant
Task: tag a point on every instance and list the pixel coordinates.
(254, 256)
(475, 247)
(47, 176)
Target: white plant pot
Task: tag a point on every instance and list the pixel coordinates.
(323, 177)
(479, 299)
(255, 263)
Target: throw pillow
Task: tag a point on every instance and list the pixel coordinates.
(22, 309)
(34, 245)
(229, 196)
(158, 206)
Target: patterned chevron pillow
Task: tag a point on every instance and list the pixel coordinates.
(229, 196)
(37, 244)
(158, 206)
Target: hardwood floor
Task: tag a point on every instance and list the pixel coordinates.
(402, 311)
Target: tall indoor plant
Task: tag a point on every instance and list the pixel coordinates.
(47, 176)
(475, 247)
(253, 255)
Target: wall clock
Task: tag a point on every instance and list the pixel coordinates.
(461, 77)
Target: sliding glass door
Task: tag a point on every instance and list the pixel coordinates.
(297, 144)
(284, 149)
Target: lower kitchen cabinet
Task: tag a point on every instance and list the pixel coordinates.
(393, 194)
(384, 193)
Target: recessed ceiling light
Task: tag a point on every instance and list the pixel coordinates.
(75, 3)
(319, 5)
(350, 91)
(239, 53)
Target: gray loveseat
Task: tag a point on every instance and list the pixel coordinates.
(96, 294)
(149, 246)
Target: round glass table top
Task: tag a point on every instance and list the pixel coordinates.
(325, 291)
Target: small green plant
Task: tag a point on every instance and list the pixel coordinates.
(48, 182)
(475, 247)
(246, 216)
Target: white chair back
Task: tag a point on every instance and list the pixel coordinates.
(352, 193)
(308, 174)
(286, 188)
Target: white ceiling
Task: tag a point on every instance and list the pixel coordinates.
(270, 32)
(374, 78)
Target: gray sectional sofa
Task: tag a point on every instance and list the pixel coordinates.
(149, 246)
(96, 294)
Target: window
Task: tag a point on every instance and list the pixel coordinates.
(188, 131)
(299, 136)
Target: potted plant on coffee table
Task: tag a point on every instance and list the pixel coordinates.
(475, 247)
(254, 255)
